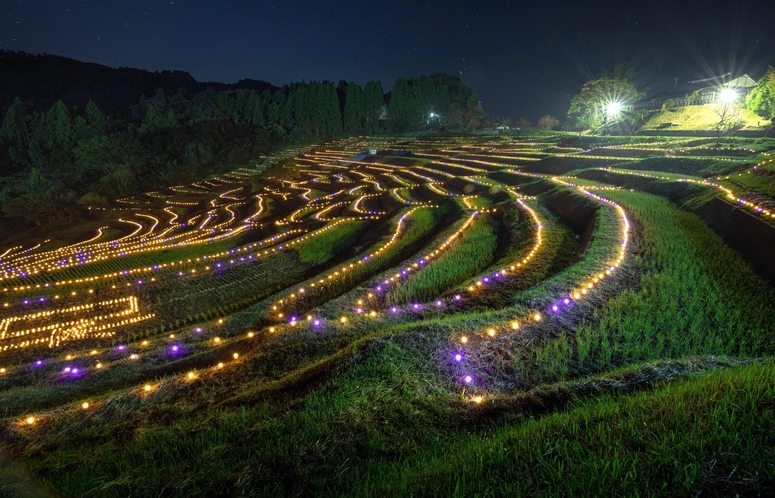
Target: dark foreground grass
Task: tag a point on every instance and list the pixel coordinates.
(379, 428)
(713, 435)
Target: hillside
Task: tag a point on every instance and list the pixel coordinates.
(699, 117)
(41, 80)
(444, 316)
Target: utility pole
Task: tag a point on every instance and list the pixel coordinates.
(676, 81)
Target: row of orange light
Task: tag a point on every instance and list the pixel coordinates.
(729, 194)
(269, 240)
(334, 274)
(583, 288)
(77, 328)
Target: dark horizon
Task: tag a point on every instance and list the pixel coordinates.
(522, 60)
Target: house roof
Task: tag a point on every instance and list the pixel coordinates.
(673, 90)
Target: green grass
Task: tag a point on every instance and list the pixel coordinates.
(682, 165)
(699, 117)
(418, 226)
(694, 296)
(713, 434)
(320, 248)
(752, 182)
(376, 407)
(468, 255)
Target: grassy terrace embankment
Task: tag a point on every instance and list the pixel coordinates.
(360, 331)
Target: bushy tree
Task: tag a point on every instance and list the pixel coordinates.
(761, 99)
(548, 122)
(15, 137)
(589, 108)
(400, 111)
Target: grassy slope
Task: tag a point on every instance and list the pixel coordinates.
(695, 296)
(698, 117)
(713, 434)
(382, 421)
(384, 404)
(322, 247)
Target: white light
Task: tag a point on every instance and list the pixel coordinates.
(613, 108)
(728, 95)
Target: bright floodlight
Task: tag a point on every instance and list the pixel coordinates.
(728, 95)
(613, 108)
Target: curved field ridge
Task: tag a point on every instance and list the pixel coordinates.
(450, 315)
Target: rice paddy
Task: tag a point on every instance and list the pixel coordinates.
(452, 315)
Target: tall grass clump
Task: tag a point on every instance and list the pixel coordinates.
(320, 248)
(471, 253)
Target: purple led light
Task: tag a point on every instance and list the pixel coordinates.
(416, 306)
(317, 322)
(121, 347)
(379, 288)
(393, 309)
(457, 297)
(38, 363)
(458, 357)
(174, 349)
(66, 370)
(468, 379)
(566, 301)
(439, 302)
(74, 371)
(555, 308)
(486, 279)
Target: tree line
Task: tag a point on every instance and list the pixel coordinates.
(56, 161)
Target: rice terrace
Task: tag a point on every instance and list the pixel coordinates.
(403, 316)
(380, 249)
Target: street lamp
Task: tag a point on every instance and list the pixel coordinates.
(728, 95)
(612, 109)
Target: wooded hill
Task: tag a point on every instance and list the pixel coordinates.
(74, 134)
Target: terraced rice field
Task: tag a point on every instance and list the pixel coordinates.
(450, 316)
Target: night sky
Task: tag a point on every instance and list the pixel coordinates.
(524, 59)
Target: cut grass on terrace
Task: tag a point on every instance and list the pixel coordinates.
(322, 247)
(469, 254)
